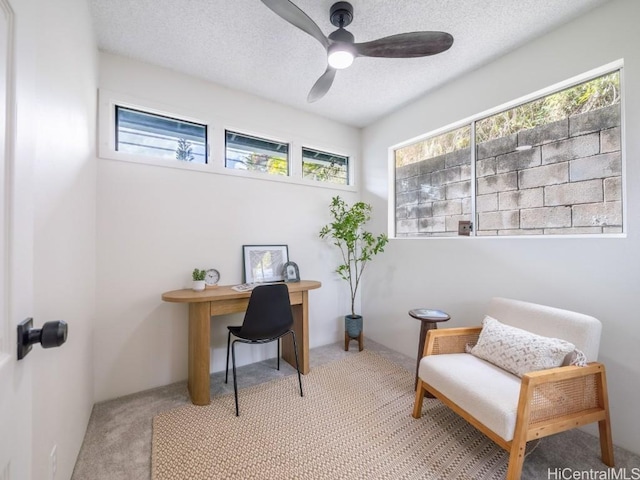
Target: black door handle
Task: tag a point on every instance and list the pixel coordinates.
(52, 334)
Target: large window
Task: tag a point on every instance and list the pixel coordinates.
(246, 152)
(151, 135)
(325, 167)
(551, 166)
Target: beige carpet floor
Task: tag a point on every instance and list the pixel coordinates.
(117, 444)
(354, 422)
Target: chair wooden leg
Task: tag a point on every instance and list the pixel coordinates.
(417, 406)
(278, 356)
(606, 443)
(604, 426)
(516, 459)
(519, 441)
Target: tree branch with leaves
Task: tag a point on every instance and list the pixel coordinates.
(357, 246)
(184, 151)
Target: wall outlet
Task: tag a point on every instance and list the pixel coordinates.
(53, 462)
(465, 228)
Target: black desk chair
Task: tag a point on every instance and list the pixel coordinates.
(268, 318)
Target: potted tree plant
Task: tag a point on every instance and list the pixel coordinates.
(358, 247)
(198, 280)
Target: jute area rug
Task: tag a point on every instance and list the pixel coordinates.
(354, 422)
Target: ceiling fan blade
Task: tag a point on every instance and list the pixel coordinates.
(322, 85)
(296, 17)
(406, 45)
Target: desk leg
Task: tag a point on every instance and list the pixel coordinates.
(199, 339)
(301, 329)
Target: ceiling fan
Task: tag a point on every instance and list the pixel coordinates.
(342, 49)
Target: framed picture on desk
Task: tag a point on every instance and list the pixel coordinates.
(290, 272)
(264, 263)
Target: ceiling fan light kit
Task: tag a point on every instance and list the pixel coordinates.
(340, 56)
(342, 49)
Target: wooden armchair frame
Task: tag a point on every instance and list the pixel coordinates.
(551, 401)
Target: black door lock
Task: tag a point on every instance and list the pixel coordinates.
(52, 334)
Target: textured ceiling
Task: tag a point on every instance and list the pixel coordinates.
(243, 45)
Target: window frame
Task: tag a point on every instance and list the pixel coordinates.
(263, 138)
(119, 107)
(216, 128)
(108, 133)
(320, 150)
(617, 65)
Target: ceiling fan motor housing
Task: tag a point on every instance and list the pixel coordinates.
(341, 14)
(342, 35)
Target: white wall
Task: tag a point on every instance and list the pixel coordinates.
(63, 130)
(599, 277)
(156, 224)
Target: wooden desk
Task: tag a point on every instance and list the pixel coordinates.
(222, 300)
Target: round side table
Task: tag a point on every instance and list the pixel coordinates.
(429, 319)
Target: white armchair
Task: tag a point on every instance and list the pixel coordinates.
(509, 409)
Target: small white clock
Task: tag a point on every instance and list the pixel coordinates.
(212, 277)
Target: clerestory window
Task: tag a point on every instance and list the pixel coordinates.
(246, 152)
(150, 135)
(325, 167)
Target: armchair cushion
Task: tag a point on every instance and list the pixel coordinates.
(581, 330)
(485, 391)
(519, 351)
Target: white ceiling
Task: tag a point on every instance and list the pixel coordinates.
(243, 45)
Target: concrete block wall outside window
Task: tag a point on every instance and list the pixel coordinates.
(560, 178)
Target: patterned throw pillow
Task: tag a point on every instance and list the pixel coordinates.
(518, 351)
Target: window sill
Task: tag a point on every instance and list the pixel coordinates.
(220, 170)
(511, 237)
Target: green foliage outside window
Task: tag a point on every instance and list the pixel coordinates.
(333, 173)
(585, 97)
(597, 93)
(434, 146)
(184, 151)
(265, 163)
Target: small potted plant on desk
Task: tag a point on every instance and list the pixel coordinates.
(198, 280)
(358, 247)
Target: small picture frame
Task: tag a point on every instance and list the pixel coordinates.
(290, 272)
(263, 263)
